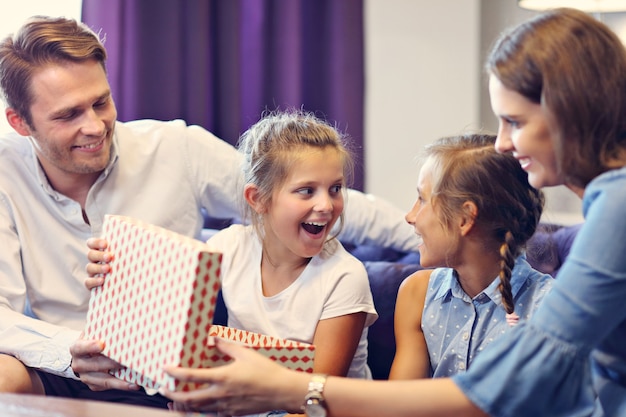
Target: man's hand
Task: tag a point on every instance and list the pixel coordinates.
(94, 369)
(98, 265)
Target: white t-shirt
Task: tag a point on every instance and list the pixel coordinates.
(333, 284)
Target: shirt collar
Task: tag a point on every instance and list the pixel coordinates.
(450, 286)
(114, 154)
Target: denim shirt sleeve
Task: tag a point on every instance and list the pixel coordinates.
(544, 367)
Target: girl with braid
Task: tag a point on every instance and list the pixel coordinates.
(475, 211)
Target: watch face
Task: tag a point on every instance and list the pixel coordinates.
(315, 409)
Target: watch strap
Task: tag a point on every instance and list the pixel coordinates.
(315, 391)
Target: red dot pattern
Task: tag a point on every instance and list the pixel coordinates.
(157, 305)
(292, 354)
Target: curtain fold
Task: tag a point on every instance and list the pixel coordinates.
(221, 63)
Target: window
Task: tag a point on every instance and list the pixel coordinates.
(14, 16)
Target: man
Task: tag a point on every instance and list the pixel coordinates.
(70, 164)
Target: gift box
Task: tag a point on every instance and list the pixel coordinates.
(156, 306)
(289, 353)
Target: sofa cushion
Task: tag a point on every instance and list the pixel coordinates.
(549, 246)
(385, 279)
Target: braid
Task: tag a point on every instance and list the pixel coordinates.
(468, 168)
(507, 250)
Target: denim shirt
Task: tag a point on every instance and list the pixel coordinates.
(457, 327)
(569, 358)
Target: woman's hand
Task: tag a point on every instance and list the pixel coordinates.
(251, 384)
(99, 259)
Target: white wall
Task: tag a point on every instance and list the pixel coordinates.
(424, 79)
(422, 82)
(12, 17)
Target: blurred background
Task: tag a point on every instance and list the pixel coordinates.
(393, 74)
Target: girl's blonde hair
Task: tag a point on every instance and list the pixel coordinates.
(269, 145)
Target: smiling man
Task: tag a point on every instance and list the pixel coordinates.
(71, 124)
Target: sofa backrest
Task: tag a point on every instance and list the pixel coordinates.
(386, 268)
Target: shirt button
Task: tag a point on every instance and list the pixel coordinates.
(461, 366)
(465, 336)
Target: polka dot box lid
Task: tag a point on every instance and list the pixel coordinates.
(292, 354)
(156, 306)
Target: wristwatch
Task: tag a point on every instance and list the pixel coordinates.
(314, 403)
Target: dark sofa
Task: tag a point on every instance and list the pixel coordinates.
(386, 268)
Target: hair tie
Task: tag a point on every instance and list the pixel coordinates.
(512, 319)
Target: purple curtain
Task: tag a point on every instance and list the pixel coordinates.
(220, 63)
